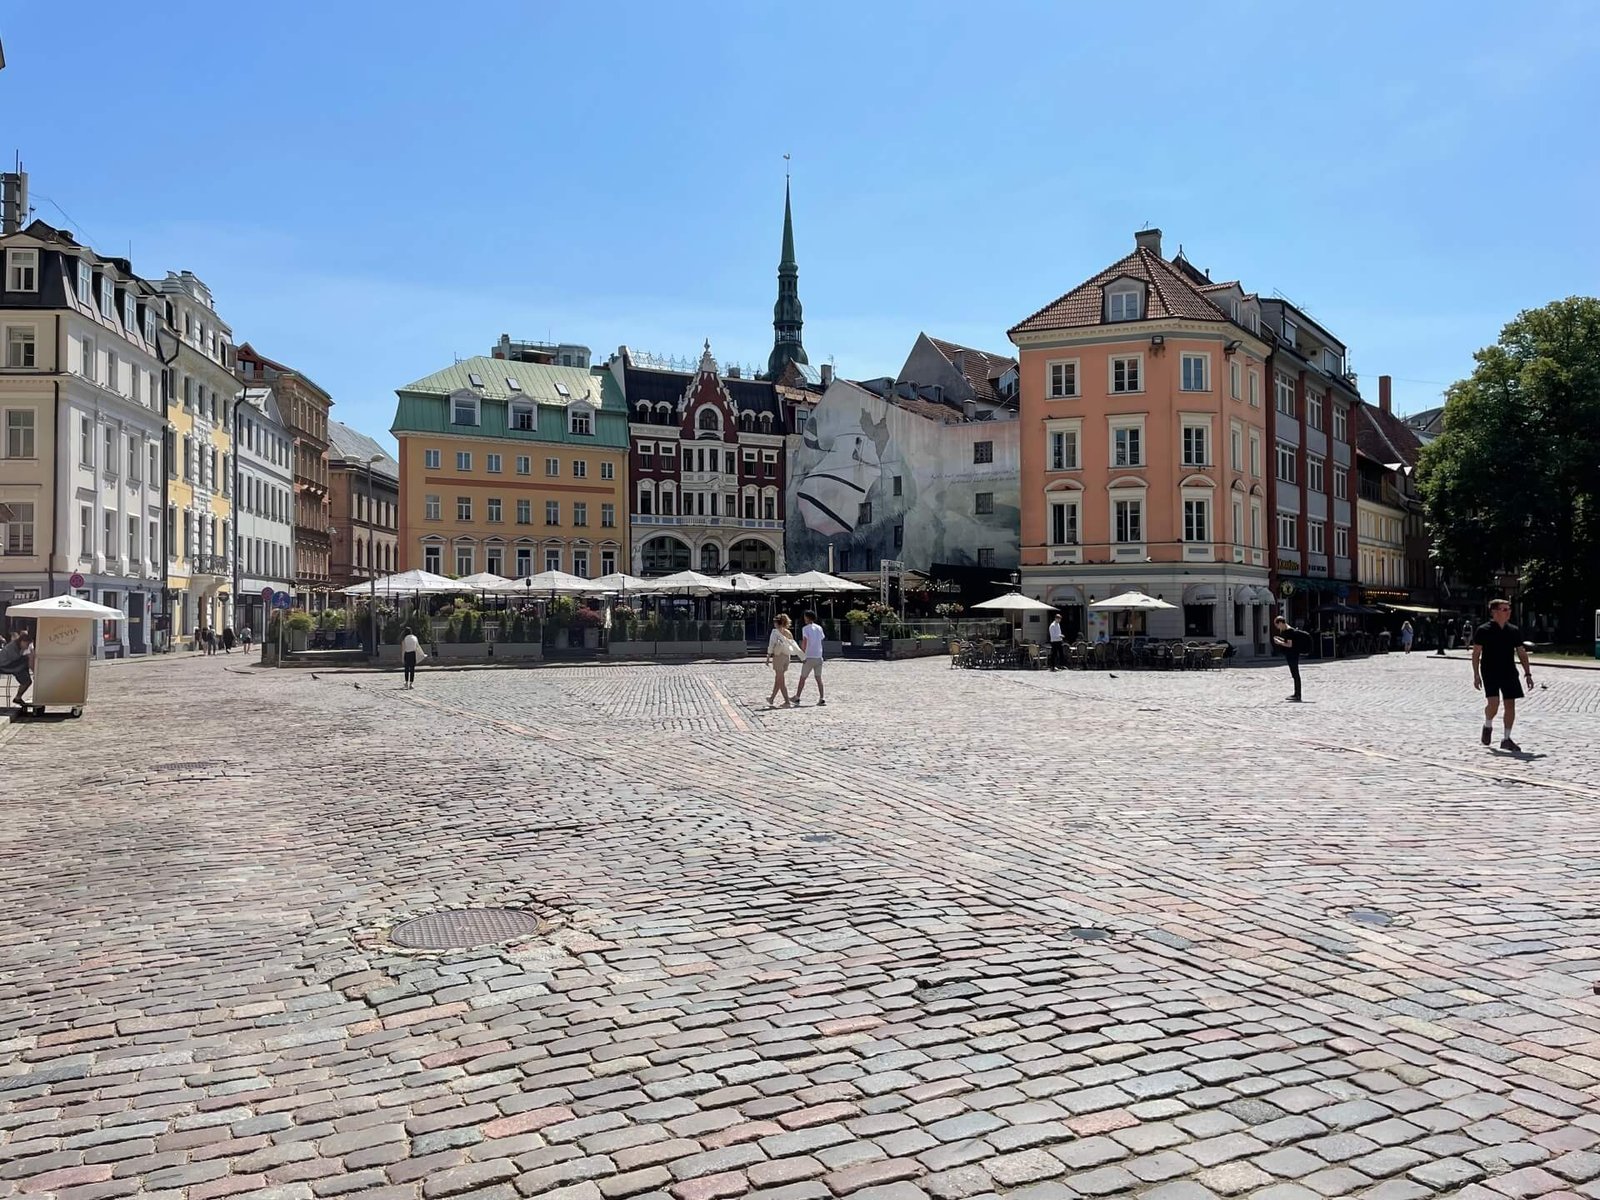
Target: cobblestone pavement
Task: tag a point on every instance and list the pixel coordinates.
(956, 934)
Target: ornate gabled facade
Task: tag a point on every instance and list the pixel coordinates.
(707, 469)
(786, 318)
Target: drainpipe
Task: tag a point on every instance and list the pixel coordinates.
(55, 467)
(166, 478)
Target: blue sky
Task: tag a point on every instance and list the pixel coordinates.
(373, 189)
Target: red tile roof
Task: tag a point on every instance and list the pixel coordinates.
(980, 369)
(1386, 438)
(1170, 294)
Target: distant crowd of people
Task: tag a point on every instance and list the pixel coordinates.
(208, 640)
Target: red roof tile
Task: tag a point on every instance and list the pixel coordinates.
(980, 369)
(1386, 438)
(1170, 295)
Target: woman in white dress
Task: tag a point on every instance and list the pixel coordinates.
(780, 649)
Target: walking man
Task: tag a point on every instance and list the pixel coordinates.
(811, 660)
(1496, 644)
(1057, 644)
(1291, 641)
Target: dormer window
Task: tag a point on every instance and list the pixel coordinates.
(107, 306)
(22, 270)
(85, 286)
(706, 421)
(522, 416)
(464, 409)
(127, 310)
(1125, 303)
(1289, 332)
(580, 421)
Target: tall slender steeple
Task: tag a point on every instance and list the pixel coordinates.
(786, 319)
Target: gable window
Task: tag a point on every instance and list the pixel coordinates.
(1195, 439)
(1124, 304)
(430, 460)
(464, 410)
(706, 420)
(22, 270)
(1061, 379)
(463, 560)
(983, 452)
(432, 559)
(522, 416)
(463, 460)
(983, 504)
(1125, 374)
(1194, 370)
(1289, 331)
(1285, 463)
(1063, 522)
(579, 422)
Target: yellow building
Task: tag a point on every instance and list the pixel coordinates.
(513, 468)
(199, 460)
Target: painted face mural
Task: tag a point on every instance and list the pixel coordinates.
(832, 490)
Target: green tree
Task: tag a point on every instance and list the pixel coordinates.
(1513, 482)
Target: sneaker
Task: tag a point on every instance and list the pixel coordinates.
(1508, 744)
(1296, 699)
(1488, 735)
(822, 704)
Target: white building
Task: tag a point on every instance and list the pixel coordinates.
(263, 506)
(83, 414)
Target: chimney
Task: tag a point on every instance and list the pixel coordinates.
(733, 371)
(1385, 401)
(827, 374)
(970, 410)
(1148, 239)
(13, 199)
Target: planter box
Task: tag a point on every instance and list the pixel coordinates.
(917, 647)
(463, 650)
(697, 649)
(518, 651)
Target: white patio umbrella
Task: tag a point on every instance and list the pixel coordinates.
(619, 581)
(689, 583)
(483, 581)
(549, 583)
(748, 583)
(406, 583)
(819, 582)
(1131, 601)
(68, 606)
(1016, 602)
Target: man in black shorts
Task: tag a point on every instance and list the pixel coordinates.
(1496, 644)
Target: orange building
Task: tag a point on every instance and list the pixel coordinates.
(1145, 450)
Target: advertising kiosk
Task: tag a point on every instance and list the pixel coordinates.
(61, 650)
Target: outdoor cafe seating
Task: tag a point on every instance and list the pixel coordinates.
(1121, 653)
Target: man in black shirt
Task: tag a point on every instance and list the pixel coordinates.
(1291, 641)
(1496, 644)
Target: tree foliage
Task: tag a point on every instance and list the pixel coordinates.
(1513, 483)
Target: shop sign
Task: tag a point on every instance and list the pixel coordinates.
(1289, 564)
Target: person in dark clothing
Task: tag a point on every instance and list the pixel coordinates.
(1293, 642)
(227, 640)
(1496, 645)
(16, 658)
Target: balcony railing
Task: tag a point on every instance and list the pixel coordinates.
(208, 564)
(725, 522)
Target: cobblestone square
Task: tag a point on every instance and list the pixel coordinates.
(957, 934)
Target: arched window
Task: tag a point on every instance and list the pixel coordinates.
(663, 556)
(707, 420)
(752, 555)
(747, 421)
(766, 422)
(710, 558)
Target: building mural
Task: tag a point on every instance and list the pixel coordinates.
(877, 481)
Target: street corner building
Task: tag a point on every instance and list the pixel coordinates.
(513, 467)
(707, 467)
(82, 417)
(1145, 441)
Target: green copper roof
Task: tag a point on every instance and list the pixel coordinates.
(425, 406)
(788, 259)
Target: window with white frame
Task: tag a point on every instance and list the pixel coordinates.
(494, 514)
(463, 508)
(86, 441)
(1236, 447)
(1341, 541)
(20, 433)
(552, 512)
(608, 470)
(1125, 374)
(580, 512)
(1127, 520)
(1061, 378)
(1313, 410)
(608, 516)
(523, 417)
(1234, 373)
(86, 531)
(108, 306)
(1238, 532)
(22, 270)
(1316, 537)
(1196, 519)
(1196, 443)
(463, 409)
(432, 508)
(1127, 441)
(1341, 484)
(1255, 522)
(552, 558)
(580, 422)
(1314, 473)
(463, 460)
(1255, 389)
(1289, 331)
(1285, 463)
(136, 460)
(1255, 453)
(492, 463)
(1341, 432)
(433, 559)
(20, 347)
(1063, 520)
(463, 561)
(1195, 373)
(1288, 531)
(524, 512)
(1284, 389)
(524, 465)
(1125, 303)
(580, 563)
(1063, 438)
(16, 527)
(580, 468)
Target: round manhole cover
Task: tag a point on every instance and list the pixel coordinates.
(1371, 916)
(461, 929)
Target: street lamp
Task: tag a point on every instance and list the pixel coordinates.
(372, 572)
(1438, 598)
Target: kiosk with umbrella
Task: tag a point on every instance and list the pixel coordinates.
(1017, 604)
(61, 650)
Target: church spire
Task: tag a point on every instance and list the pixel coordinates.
(786, 318)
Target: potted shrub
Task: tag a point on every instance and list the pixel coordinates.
(588, 622)
(300, 626)
(857, 619)
(624, 622)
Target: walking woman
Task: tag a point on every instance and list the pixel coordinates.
(410, 651)
(780, 649)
